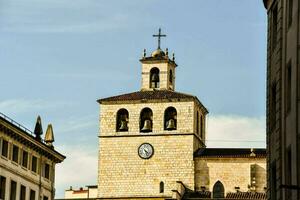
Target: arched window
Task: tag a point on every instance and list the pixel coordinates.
(122, 120)
(197, 122)
(146, 118)
(201, 126)
(171, 76)
(154, 78)
(161, 187)
(218, 190)
(170, 122)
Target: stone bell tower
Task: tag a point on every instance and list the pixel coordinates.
(158, 70)
(148, 138)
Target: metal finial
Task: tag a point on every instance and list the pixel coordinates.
(173, 56)
(167, 51)
(144, 53)
(159, 35)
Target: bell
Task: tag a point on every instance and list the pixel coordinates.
(171, 124)
(147, 126)
(123, 126)
(154, 77)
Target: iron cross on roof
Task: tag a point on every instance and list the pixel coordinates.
(159, 36)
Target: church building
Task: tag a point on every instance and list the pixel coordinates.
(152, 144)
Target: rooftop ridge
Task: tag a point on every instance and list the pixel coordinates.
(15, 123)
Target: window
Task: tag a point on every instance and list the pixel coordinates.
(253, 175)
(288, 172)
(288, 87)
(34, 164)
(197, 122)
(274, 25)
(201, 127)
(13, 190)
(170, 118)
(122, 120)
(272, 109)
(47, 171)
(161, 187)
(32, 195)
(171, 76)
(4, 151)
(2, 187)
(218, 190)
(273, 180)
(154, 78)
(15, 156)
(25, 159)
(45, 198)
(146, 120)
(23, 192)
(290, 12)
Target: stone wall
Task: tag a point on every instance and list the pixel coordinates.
(232, 172)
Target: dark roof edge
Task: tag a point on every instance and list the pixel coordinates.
(265, 3)
(36, 141)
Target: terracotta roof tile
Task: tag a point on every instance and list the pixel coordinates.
(246, 195)
(150, 95)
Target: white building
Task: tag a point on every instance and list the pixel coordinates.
(27, 163)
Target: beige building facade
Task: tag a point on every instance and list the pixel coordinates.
(152, 145)
(283, 99)
(27, 163)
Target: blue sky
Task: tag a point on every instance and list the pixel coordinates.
(57, 57)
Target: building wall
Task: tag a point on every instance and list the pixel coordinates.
(123, 173)
(24, 175)
(284, 136)
(232, 172)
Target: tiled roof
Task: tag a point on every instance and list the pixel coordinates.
(230, 152)
(197, 194)
(150, 95)
(246, 195)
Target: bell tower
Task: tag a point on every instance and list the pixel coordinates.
(148, 137)
(158, 70)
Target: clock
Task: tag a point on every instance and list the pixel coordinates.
(145, 151)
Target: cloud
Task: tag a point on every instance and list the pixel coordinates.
(236, 131)
(79, 168)
(14, 107)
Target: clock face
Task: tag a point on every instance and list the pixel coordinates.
(146, 151)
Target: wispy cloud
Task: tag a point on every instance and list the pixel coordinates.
(19, 106)
(236, 131)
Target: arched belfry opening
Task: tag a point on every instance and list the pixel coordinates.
(170, 119)
(146, 120)
(122, 120)
(171, 76)
(218, 190)
(154, 78)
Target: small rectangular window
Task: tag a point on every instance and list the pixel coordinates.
(13, 190)
(274, 26)
(34, 164)
(25, 159)
(288, 87)
(4, 151)
(32, 195)
(15, 156)
(2, 187)
(47, 171)
(290, 12)
(23, 192)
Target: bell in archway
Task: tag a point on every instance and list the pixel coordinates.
(155, 77)
(123, 126)
(147, 126)
(171, 124)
